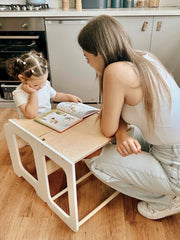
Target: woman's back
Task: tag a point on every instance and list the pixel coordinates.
(167, 120)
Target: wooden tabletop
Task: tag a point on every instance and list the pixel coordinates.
(75, 143)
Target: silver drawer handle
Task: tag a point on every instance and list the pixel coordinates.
(73, 22)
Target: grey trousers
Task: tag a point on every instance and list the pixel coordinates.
(152, 176)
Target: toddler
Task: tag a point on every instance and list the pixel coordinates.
(33, 96)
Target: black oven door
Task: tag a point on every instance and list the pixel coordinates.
(14, 44)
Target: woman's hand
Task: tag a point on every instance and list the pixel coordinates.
(127, 145)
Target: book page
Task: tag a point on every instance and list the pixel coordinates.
(58, 120)
(77, 109)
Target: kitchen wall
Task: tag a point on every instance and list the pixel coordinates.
(58, 3)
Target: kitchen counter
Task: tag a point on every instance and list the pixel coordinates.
(161, 11)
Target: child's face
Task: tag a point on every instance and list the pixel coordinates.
(37, 82)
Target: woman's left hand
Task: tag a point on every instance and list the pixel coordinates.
(127, 145)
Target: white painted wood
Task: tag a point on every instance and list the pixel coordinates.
(87, 134)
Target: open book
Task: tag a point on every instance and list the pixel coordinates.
(66, 115)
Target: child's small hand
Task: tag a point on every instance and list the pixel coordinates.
(28, 89)
(73, 98)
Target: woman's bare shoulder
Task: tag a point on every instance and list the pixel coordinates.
(124, 72)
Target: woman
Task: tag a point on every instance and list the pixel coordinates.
(136, 89)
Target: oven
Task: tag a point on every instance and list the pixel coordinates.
(18, 36)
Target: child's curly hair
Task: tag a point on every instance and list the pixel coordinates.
(28, 64)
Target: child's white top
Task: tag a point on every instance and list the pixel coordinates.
(44, 95)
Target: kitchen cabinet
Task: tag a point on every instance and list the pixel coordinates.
(139, 29)
(69, 70)
(159, 35)
(165, 43)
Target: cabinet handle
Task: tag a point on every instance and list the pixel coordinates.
(144, 26)
(159, 24)
(19, 37)
(24, 25)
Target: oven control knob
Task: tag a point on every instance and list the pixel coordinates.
(24, 8)
(30, 7)
(24, 25)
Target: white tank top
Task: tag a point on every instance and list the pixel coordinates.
(167, 121)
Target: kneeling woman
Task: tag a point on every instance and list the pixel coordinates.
(138, 90)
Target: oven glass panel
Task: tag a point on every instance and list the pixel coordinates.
(14, 44)
(10, 48)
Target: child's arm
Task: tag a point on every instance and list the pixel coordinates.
(30, 109)
(63, 97)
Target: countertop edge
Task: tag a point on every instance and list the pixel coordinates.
(161, 11)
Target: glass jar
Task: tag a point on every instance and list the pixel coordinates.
(154, 3)
(141, 3)
(128, 3)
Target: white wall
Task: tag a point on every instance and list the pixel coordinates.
(58, 3)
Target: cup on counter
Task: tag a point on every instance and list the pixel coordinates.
(154, 3)
(128, 3)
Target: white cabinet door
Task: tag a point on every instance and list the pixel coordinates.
(166, 43)
(139, 29)
(69, 70)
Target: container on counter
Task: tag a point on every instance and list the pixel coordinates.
(65, 5)
(141, 3)
(128, 3)
(96, 4)
(115, 3)
(154, 3)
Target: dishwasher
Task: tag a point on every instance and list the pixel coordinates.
(69, 70)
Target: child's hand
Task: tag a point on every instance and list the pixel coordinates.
(73, 98)
(28, 89)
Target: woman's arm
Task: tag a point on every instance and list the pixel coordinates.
(126, 144)
(120, 85)
(114, 90)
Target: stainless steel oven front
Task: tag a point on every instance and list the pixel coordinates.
(17, 36)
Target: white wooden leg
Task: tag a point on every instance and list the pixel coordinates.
(43, 185)
(11, 132)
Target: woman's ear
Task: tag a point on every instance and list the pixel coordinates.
(21, 78)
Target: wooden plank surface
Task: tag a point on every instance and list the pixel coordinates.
(75, 143)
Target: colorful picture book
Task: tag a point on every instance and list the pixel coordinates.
(66, 115)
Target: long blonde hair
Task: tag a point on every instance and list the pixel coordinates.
(105, 35)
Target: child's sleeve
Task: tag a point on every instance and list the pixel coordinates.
(20, 97)
(52, 91)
